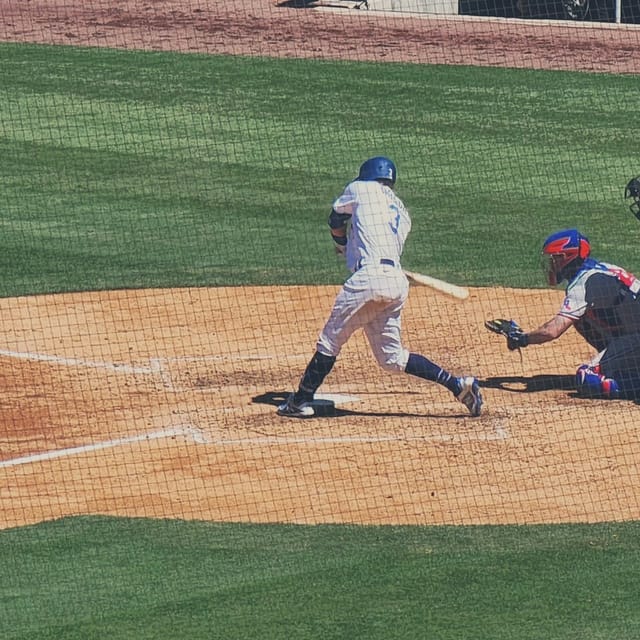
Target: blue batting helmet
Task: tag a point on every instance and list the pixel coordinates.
(378, 168)
(563, 253)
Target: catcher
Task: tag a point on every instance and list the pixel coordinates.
(602, 303)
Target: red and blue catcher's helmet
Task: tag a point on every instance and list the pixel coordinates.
(563, 254)
(378, 168)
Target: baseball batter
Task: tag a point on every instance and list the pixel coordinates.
(602, 302)
(369, 225)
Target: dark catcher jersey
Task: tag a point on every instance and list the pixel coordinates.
(603, 301)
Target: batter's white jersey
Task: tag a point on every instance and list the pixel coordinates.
(379, 225)
(373, 297)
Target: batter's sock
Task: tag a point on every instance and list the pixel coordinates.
(317, 370)
(422, 367)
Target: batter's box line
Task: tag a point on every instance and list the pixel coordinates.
(160, 366)
(189, 432)
(498, 434)
(234, 357)
(78, 362)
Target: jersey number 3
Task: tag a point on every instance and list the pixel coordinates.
(394, 223)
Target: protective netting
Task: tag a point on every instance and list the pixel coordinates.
(169, 168)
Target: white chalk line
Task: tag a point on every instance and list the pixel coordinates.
(158, 366)
(76, 362)
(190, 432)
(499, 434)
(154, 366)
(235, 357)
(197, 436)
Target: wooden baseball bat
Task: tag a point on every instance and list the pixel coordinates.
(440, 285)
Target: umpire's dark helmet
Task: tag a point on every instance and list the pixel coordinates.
(378, 168)
(563, 253)
(632, 190)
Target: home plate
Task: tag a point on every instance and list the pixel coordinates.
(337, 398)
(324, 404)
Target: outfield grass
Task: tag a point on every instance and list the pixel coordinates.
(86, 578)
(139, 169)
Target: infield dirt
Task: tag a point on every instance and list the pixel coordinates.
(84, 375)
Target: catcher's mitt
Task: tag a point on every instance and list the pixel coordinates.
(511, 330)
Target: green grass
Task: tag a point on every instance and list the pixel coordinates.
(85, 578)
(139, 169)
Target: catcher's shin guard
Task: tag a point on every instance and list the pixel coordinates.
(590, 383)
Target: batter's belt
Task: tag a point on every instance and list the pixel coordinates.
(386, 261)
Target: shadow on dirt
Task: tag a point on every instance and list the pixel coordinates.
(549, 382)
(531, 384)
(327, 409)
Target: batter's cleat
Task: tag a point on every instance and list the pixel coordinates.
(470, 395)
(290, 409)
(590, 383)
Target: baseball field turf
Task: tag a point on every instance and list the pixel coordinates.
(82, 578)
(130, 170)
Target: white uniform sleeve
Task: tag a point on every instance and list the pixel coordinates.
(575, 302)
(347, 202)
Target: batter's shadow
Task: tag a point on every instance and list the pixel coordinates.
(531, 384)
(327, 409)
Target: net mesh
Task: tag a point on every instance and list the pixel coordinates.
(168, 172)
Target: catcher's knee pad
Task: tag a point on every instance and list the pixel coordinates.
(590, 383)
